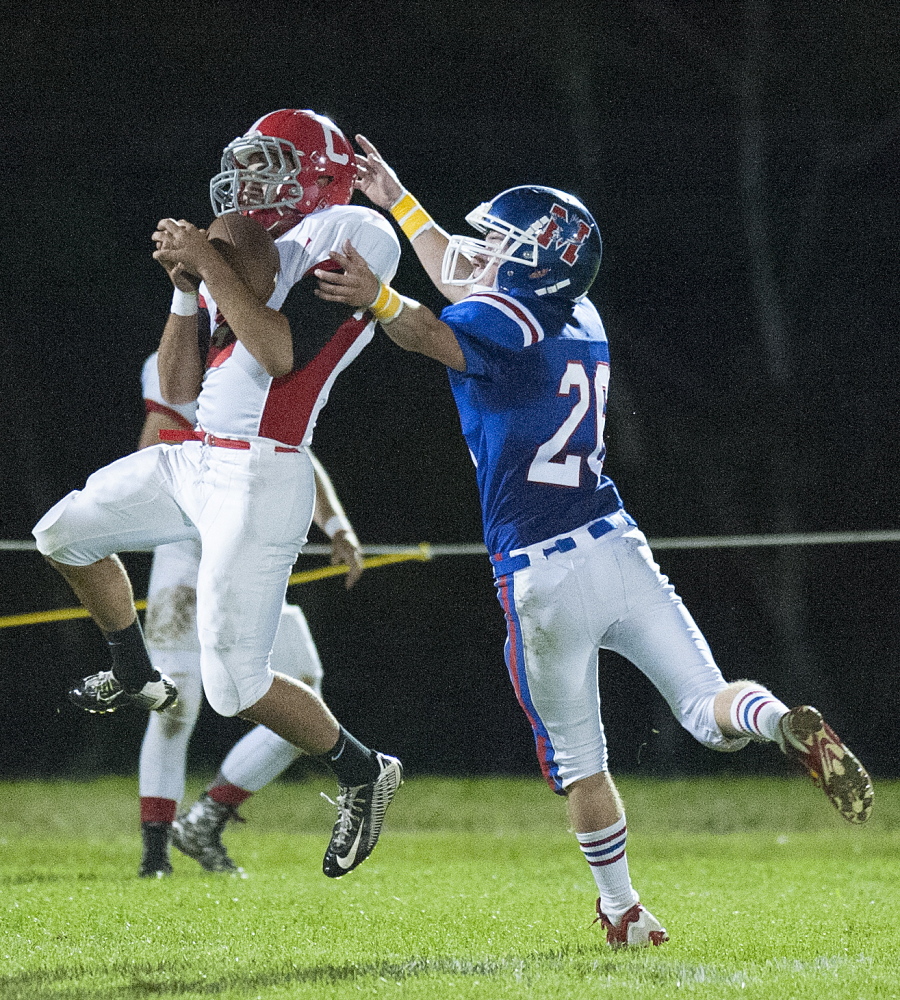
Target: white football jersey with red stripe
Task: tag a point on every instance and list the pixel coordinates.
(239, 398)
(185, 413)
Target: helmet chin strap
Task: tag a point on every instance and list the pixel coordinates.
(550, 289)
(276, 221)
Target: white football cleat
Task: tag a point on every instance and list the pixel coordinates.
(637, 928)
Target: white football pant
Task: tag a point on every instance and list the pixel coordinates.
(251, 508)
(171, 634)
(603, 593)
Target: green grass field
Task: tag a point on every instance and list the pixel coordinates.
(476, 890)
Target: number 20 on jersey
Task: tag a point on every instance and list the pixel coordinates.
(552, 463)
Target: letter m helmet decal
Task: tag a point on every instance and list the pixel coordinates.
(569, 238)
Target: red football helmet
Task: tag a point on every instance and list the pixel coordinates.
(288, 164)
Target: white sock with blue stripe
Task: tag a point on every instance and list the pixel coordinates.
(757, 712)
(604, 851)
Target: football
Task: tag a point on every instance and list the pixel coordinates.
(248, 249)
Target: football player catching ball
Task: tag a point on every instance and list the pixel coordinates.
(242, 481)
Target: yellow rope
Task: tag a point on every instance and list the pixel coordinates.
(420, 554)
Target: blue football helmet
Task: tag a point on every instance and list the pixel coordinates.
(551, 244)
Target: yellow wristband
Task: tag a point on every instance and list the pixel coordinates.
(410, 216)
(387, 306)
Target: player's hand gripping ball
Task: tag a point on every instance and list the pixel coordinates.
(248, 250)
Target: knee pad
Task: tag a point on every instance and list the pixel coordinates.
(575, 765)
(229, 683)
(52, 536)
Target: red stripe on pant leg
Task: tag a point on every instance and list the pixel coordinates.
(514, 665)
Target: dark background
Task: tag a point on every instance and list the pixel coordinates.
(742, 162)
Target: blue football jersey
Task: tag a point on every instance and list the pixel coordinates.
(532, 404)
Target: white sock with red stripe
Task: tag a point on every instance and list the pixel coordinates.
(757, 712)
(604, 851)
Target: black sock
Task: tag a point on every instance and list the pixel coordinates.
(352, 763)
(131, 664)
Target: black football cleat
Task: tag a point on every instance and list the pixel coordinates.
(102, 693)
(198, 834)
(155, 857)
(361, 811)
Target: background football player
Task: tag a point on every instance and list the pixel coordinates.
(174, 647)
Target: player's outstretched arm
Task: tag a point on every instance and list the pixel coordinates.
(380, 184)
(329, 515)
(408, 323)
(264, 332)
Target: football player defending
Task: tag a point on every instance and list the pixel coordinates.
(528, 363)
(244, 480)
(171, 636)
